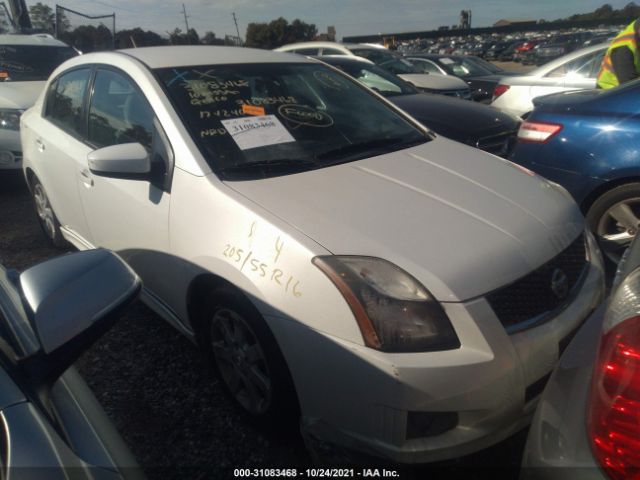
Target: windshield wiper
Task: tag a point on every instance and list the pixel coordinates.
(267, 167)
(366, 149)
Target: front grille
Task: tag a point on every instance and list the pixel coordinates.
(501, 145)
(533, 298)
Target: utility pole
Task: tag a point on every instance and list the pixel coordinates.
(237, 29)
(184, 12)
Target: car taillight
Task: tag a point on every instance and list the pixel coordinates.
(613, 421)
(537, 132)
(499, 90)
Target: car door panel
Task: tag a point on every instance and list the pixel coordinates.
(59, 151)
(547, 86)
(129, 216)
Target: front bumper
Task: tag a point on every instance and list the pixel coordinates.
(358, 399)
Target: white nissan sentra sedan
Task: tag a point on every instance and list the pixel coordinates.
(406, 294)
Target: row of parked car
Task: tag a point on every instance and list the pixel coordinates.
(529, 48)
(300, 221)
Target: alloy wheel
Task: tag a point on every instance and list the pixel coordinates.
(241, 361)
(44, 210)
(617, 227)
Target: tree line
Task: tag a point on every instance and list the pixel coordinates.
(88, 37)
(606, 12)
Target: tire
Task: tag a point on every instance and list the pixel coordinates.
(615, 218)
(46, 216)
(249, 362)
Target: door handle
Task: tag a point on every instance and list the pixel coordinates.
(86, 178)
(40, 145)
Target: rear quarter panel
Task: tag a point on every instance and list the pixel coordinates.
(594, 146)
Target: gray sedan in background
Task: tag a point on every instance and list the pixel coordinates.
(587, 425)
(576, 71)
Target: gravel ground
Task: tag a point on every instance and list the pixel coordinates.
(152, 382)
(154, 385)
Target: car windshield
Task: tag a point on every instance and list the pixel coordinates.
(387, 60)
(462, 67)
(22, 63)
(486, 65)
(254, 121)
(377, 79)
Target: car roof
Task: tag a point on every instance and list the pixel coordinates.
(187, 55)
(344, 59)
(43, 39)
(320, 44)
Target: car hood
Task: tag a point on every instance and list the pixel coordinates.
(461, 221)
(434, 81)
(458, 119)
(19, 94)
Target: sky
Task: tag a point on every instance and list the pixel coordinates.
(350, 17)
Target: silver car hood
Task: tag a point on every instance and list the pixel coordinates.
(461, 221)
(435, 81)
(20, 95)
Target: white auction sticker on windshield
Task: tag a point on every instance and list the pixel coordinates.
(254, 132)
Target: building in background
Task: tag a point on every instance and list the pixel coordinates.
(330, 36)
(465, 20)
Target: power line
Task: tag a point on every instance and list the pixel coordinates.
(114, 6)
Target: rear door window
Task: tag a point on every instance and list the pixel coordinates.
(332, 51)
(306, 51)
(586, 66)
(65, 100)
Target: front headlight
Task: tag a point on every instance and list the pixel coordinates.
(10, 118)
(394, 311)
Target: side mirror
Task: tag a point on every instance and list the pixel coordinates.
(127, 159)
(71, 301)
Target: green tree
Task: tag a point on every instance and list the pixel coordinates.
(300, 31)
(88, 38)
(62, 21)
(42, 17)
(189, 38)
(279, 32)
(605, 11)
(210, 38)
(138, 38)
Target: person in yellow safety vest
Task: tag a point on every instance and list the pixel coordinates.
(621, 63)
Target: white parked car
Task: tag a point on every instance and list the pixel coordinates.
(407, 293)
(26, 61)
(430, 83)
(575, 71)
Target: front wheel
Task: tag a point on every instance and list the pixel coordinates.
(249, 362)
(46, 217)
(615, 218)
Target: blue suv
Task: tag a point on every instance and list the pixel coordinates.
(588, 141)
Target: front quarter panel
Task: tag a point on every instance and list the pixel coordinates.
(216, 230)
